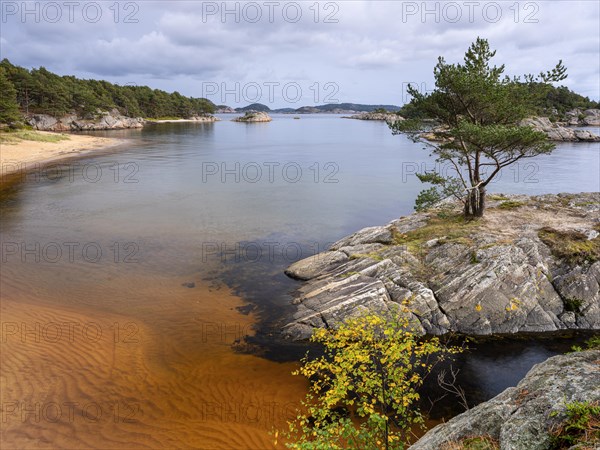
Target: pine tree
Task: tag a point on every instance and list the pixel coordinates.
(9, 109)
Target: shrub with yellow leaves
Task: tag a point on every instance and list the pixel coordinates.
(364, 388)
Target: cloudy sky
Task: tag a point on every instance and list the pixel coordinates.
(290, 54)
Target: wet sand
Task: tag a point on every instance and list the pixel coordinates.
(161, 373)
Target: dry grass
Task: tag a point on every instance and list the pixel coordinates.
(571, 246)
(473, 443)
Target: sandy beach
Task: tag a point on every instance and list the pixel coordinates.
(23, 154)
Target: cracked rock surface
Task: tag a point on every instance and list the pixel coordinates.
(494, 275)
(521, 417)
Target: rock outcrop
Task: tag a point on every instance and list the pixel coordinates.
(586, 118)
(203, 118)
(254, 117)
(557, 132)
(106, 120)
(388, 117)
(522, 417)
(505, 273)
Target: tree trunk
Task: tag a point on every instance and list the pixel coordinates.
(475, 202)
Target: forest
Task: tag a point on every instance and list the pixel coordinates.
(39, 91)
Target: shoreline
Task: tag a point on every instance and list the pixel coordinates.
(210, 119)
(19, 157)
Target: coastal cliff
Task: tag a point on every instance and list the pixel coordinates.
(104, 120)
(532, 264)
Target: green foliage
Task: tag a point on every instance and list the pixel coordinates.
(573, 304)
(441, 189)
(572, 246)
(450, 228)
(554, 102)
(9, 109)
(43, 92)
(581, 426)
(477, 111)
(363, 391)
(474, 259)
(510, 204)
(592, 343)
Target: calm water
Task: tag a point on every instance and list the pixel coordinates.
(237, 203)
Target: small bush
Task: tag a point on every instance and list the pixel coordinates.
(573, 304)
(581, 426)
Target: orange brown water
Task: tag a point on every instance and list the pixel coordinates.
(156, 372)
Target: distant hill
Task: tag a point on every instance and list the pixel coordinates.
(342, 108)
(254, 107)
(355, 107)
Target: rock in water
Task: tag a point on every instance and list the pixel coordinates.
(556, 132)
(254, 117)
(521, 417)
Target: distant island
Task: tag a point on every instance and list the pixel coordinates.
(330, 108)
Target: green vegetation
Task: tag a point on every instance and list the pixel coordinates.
(592, 343)
(581, 426)
(556, 101)
(549, 101)
(363, 392)
(43, 92)
(497, 198)
(9, 108)
(29, 135)
(478, 111)
(572, 246)
(452, 228)
(373, 255)
(573, 304)
(510, 204)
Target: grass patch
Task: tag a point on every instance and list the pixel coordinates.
(497, 198)
(572, 246)
(473, 443)
(13, 137)
(453, 229)
(581, 426)
(373, 255)
(348, 274)
(510, 204)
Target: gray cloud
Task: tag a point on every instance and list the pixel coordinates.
(373, 49)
